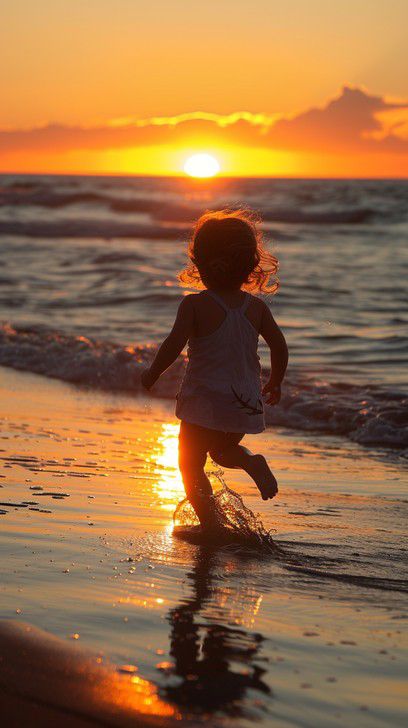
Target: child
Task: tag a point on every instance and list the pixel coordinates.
(220, 398)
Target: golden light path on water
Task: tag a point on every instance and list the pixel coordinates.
(165, 458)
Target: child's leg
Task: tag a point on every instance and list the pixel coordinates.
(229, 454)
(192, 459)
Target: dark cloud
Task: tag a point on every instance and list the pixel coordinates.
(345, 123)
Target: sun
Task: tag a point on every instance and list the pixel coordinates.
(202, 165)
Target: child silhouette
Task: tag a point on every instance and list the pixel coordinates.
(220, 399)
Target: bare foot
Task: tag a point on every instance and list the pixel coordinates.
(262, 475)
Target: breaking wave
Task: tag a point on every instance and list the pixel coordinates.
(84, 228)
(369, 415)
(307, 207)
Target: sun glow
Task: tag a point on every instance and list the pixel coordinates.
(169, 486)
(202, 165)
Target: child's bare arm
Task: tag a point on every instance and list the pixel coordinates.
(275, 339)
(173, 345)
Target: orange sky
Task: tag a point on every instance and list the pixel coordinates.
(306, 88)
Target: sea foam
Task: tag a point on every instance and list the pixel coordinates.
(369, 415)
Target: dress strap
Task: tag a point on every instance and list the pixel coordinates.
(226, 308)
(219, 300)
(244, 306)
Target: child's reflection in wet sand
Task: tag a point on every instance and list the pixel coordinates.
(206, 653)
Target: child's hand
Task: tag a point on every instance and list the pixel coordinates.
(146, 379)
(272, 392)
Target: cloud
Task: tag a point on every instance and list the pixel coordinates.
(350, 123)
(241, 127)
(353, 122)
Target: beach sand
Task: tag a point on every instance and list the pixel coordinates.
(312, 636)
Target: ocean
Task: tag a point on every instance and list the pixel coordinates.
(307, 632)
(88, 287)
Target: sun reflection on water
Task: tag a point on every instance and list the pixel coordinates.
(169, 486)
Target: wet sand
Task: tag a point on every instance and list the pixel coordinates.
(47, 681)
(88, 486)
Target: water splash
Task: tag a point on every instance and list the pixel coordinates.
(238, 524)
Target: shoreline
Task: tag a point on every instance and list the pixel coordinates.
(365, 413)
(90, 483)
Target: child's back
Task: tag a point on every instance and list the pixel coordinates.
(221, 389)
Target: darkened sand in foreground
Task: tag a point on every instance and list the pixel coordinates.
(46, 681)
(110, 620)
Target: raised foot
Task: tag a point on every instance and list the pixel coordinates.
(262, 475)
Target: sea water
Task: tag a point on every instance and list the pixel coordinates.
(88, 287)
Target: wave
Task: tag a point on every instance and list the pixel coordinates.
(349, 216)
(77, 228)
(29, 196)
(169, 228)
(368, 415)
(165, 210)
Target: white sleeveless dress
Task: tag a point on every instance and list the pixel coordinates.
(221, 388)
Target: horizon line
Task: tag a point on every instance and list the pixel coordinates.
(202, 180)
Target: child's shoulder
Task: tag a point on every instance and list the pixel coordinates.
(190, 299)
(200, 298)
(190, 304)
(256, 311)
(256, 303)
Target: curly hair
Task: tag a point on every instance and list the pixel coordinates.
(226, 250)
